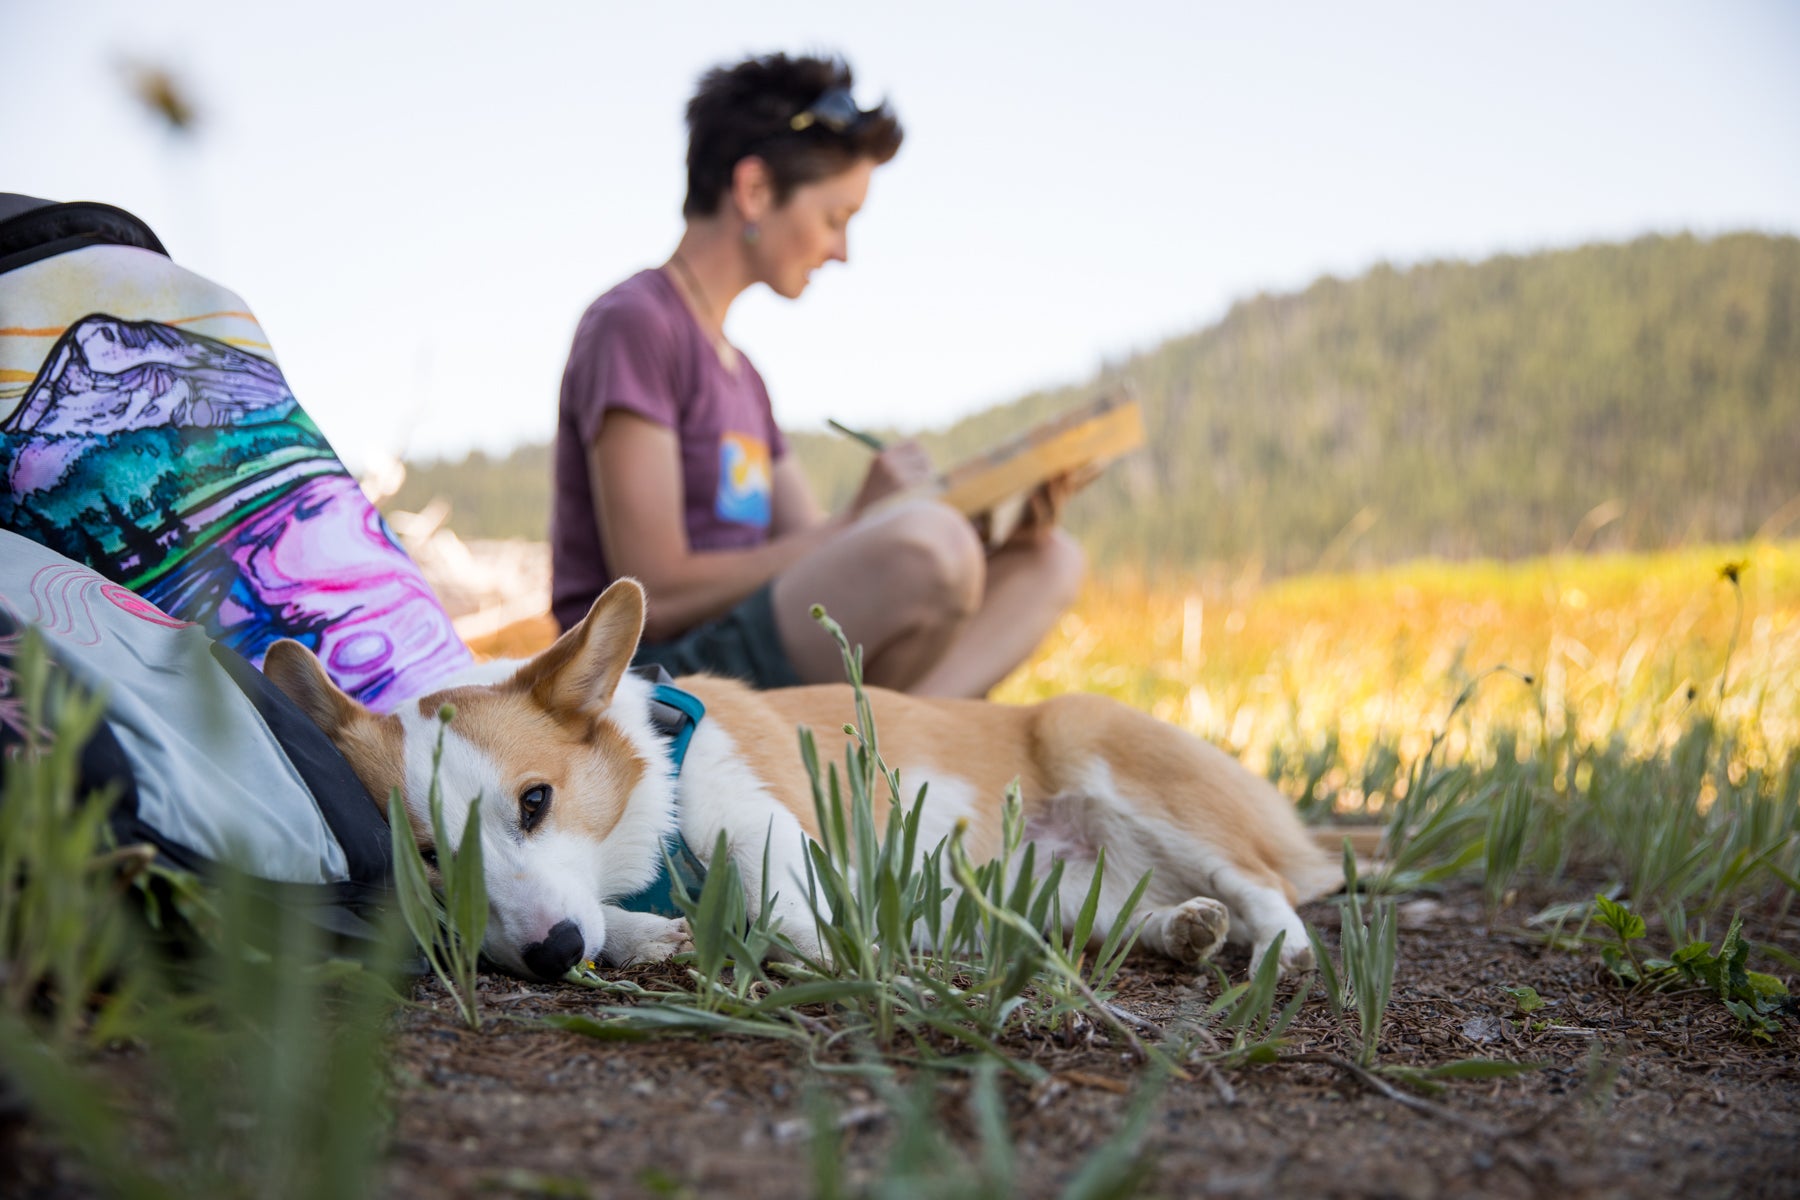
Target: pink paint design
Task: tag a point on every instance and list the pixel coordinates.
(63, 597)
(322, 560)
(127, 601)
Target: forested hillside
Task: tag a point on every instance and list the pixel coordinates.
(1452, 408)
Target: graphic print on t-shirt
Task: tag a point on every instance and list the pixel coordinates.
(745, 481)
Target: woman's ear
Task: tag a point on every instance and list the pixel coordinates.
(752, 189)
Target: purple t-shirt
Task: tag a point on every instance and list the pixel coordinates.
(638, 349)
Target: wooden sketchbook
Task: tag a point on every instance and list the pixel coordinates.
(995, 488)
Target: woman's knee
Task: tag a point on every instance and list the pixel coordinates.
(1063, 567)
(931, 555)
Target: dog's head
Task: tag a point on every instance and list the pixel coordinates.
(562, 755)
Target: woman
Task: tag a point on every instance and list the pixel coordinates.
(670, 468)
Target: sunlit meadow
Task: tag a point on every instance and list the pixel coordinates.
(1357, 670)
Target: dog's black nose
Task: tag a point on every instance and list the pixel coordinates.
(552, 957)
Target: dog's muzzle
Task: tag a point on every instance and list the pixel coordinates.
(562, 949)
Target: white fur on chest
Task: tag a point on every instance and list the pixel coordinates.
(721, 793)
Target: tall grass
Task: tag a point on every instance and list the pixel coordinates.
(917, 950)
(1651, 731)
(257, 1054)
(1632, 646)
(447, 922)
(65, 932)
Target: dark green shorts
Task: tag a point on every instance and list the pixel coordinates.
(743, 644)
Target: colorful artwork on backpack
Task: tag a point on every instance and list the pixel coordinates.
(181, 467)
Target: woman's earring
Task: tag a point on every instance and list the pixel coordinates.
(752, 234)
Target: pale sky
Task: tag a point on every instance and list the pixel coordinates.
(419, 200)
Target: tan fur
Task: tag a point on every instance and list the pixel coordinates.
(374, 746)
(1047, 747)
(958, 737)
(766, 737)
(576, 754)
(376, 751)
(986, 745)
(578, 675)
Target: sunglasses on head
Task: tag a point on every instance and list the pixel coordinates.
(836, 110)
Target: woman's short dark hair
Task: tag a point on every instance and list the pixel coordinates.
(749, 109)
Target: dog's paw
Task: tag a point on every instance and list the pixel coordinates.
(670, 938)
(1296, 956)
(676, 939)
(1194, 931)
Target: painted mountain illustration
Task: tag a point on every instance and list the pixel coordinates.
(183, 468)
(109, 375)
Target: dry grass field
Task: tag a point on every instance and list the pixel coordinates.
(1629, 647)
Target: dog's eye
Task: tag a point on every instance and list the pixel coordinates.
(429, 854)
(534, 802)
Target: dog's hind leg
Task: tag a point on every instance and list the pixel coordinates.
(1193, 930)
(1257, 897)
(1197, 896)
(1260, 911)
(1190, 932)
(1157, 797)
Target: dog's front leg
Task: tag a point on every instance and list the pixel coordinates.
(791, 910)
(755, 824)
(635, 937)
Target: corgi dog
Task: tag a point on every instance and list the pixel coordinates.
(578, 797)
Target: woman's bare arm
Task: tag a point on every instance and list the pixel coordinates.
(635, 468)
(793, 508)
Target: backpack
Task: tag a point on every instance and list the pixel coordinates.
(167, 512)
(206, 760)
(146, 431)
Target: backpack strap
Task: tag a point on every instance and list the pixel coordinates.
(33, 229)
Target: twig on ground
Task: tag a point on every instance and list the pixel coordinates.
(1132, 1019)
(1107, 1010)
(1227, 1094)
(1377, 1084)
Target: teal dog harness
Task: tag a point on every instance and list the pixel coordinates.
(676, 714)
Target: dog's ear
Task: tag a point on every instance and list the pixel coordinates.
(293, 668)
(374, 746)
(582, 670)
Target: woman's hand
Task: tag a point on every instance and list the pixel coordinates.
(1044, 507)
(898, 468)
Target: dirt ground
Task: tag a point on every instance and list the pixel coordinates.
(1638, 1095)
(1695, 1109)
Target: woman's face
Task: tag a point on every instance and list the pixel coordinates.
(810, 230)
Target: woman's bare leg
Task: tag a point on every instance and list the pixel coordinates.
(934, 613)
(901, 582)
(1029, 587)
